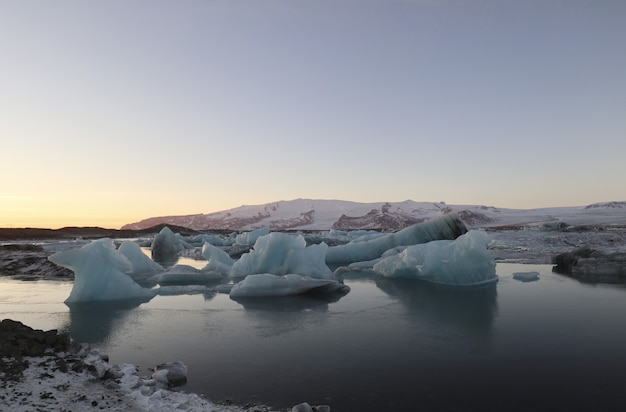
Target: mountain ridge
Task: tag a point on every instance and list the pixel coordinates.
(325, 214)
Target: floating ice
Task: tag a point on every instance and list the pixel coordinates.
(460, 262)
(281, 253)
(526, 276)
(215, 240)
(186, 275)
(143, 268)
(266, 285)
(166, 246)
(100, 273)
(449, 226)
(249, 238)
(218, 260)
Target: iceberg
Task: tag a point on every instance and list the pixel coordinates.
(267, 285)
(249, 238)
(143, 268)
(449, 227)
(280, 254)
(186, 275)
(460, 262)
(100, 273)
(526, 276)
(218, 260)
(166, 246)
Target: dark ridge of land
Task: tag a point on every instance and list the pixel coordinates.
(93, 232)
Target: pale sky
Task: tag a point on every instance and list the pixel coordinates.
(115, 111)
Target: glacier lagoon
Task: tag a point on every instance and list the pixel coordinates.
(390, 344)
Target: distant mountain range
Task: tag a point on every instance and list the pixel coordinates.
(317, 214)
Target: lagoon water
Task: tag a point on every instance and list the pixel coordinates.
(553, 343)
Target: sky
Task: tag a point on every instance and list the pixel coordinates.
(115, 111)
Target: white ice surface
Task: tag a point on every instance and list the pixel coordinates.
(324, 213)
(185, 274)
(249, 238)
(266, 285)
(282, 253)
(357, 251)
(460, 262)
(100, 273)
(45, 389)
(218, 260)
(143, 267)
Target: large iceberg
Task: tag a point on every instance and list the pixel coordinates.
(266, 285)
(101, 273)
(280, 254)
(461, 262)
(449, 226)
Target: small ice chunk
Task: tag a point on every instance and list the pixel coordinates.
(303, 407)
(171, 374)
(186, 275)
(526, 276)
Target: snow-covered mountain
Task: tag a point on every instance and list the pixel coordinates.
(316, 214)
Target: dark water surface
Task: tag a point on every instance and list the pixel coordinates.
(551, 344)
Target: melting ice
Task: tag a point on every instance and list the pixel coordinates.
(280, 264)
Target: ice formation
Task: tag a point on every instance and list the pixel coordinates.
(186, 275)
(171, 374)
(100, 273)
(166, 246)
(461, 262)
(143, 268)
(266, 285)
(218, 260)
(280, 254)
(249, 238)
(215, 240)
(526, 276)
(449, 226)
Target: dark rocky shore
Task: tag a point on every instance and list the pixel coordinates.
(23, 257)
(18, 341)
(46, 371)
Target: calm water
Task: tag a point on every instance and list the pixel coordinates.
(550, 344)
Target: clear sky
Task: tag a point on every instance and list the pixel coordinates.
(115, 111)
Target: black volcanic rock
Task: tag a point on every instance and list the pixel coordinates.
(29, 262)
(591, 265)
(18, 341)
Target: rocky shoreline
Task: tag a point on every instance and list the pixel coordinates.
(46, 371)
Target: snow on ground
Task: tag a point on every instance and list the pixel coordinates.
(319, 214)
(44, 387)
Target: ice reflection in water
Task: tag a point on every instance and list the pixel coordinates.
(387, 345)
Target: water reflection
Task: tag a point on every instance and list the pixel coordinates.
(95, 322)
(284, 304)
(467, 312)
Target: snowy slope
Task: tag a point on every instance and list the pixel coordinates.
(316, 214)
